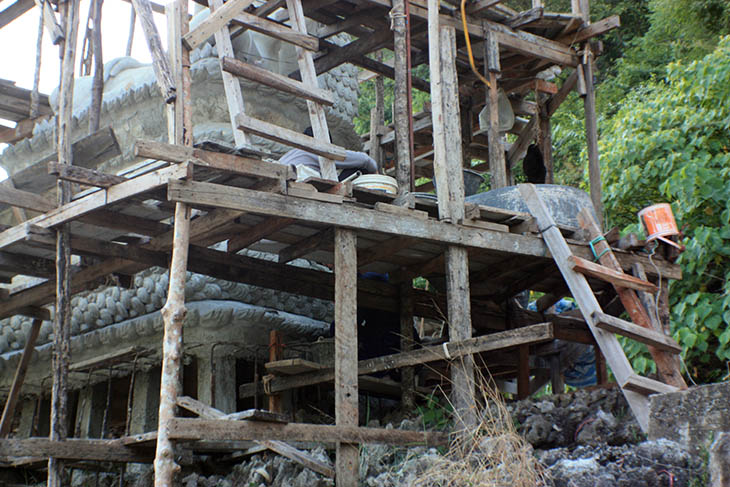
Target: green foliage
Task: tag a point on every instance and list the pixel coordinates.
(435, 414)
(670, 142)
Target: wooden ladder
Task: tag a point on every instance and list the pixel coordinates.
(222, 17)
(663, 349)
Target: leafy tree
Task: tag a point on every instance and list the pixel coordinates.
(671, 142)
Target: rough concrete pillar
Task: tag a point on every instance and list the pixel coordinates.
(90, 411)
(145, 402)
(217, 380)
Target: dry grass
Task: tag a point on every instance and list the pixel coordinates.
(488, 454)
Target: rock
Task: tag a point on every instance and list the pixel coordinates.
(719, 468)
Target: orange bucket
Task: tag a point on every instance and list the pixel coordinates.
(658, 221)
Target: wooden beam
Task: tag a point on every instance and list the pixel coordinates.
(307, 245)
(356, 218)
(19, 378)
(591, 127)
(160, 63)
(258, 232)
(525, 17)
(617, 278)
(217, 20)
(635, 332)
(502, 340)
(50, 21)
(592, 30)
(276, 81)
(290, 137)
(556, 100)
(73, 449)
(94, 201)
(81, 175)
(15, 10)
(276, 31)
(226, 430)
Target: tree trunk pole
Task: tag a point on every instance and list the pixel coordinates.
(61, 323)
(97, 85)
(174, 311)
(401, 116)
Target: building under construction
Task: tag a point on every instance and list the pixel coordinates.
(156, 210)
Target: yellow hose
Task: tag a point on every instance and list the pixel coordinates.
(468, 45)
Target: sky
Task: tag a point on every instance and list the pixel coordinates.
(17, 63)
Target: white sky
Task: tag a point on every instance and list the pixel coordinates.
(17, 60)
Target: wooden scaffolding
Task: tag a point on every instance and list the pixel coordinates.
(485, 255)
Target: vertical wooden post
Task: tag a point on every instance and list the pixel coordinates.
(346, 391)
(174, 311)
(437, 112)
(594, 167)
(407, 377)
(97, 85)
(62, 321)
(556, 378)
(497, 163)
(450, 181)
(130, 36)
(523, 373)
(14, 394)
(377, 119)
(401, 115)
(274, 355)
(545, 138)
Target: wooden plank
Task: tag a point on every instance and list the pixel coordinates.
(531, 334)
(225, 430)
(276, 30)
(73, 449)
(94, 201)
(19, 378)
(216, 21)
(14, 10)
(607, 274)
(258, 415)
(81, 175)
(526, 17)
(276, 81)
(307, 245)
(636, 332)
(480, 5)
(346, 383)
(292, 366)
(230, 163)
(160, 63)
(592, 30)
(586, 300)
(350, 216)
(24, 199)
(646, 386)
(50, 21)
(290, 137)
(107, 359)
(300, 457)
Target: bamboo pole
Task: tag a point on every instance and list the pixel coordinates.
(174, 311)
(61, 323)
